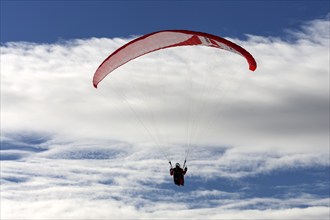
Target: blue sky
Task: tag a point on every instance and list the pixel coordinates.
(70, 151)
(50, 21)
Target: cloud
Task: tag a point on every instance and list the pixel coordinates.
(283, 105)
(71, 151)
(118, 180)
(50, 185)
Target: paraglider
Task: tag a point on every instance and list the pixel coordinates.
(161, 40)
(178, 173)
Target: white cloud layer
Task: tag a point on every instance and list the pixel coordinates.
(283, 105)
(92, 148)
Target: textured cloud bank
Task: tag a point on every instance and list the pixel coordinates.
(85, 180)
(256, 125)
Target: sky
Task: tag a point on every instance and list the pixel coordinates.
(256, 143)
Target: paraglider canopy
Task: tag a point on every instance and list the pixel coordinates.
(166, 39)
